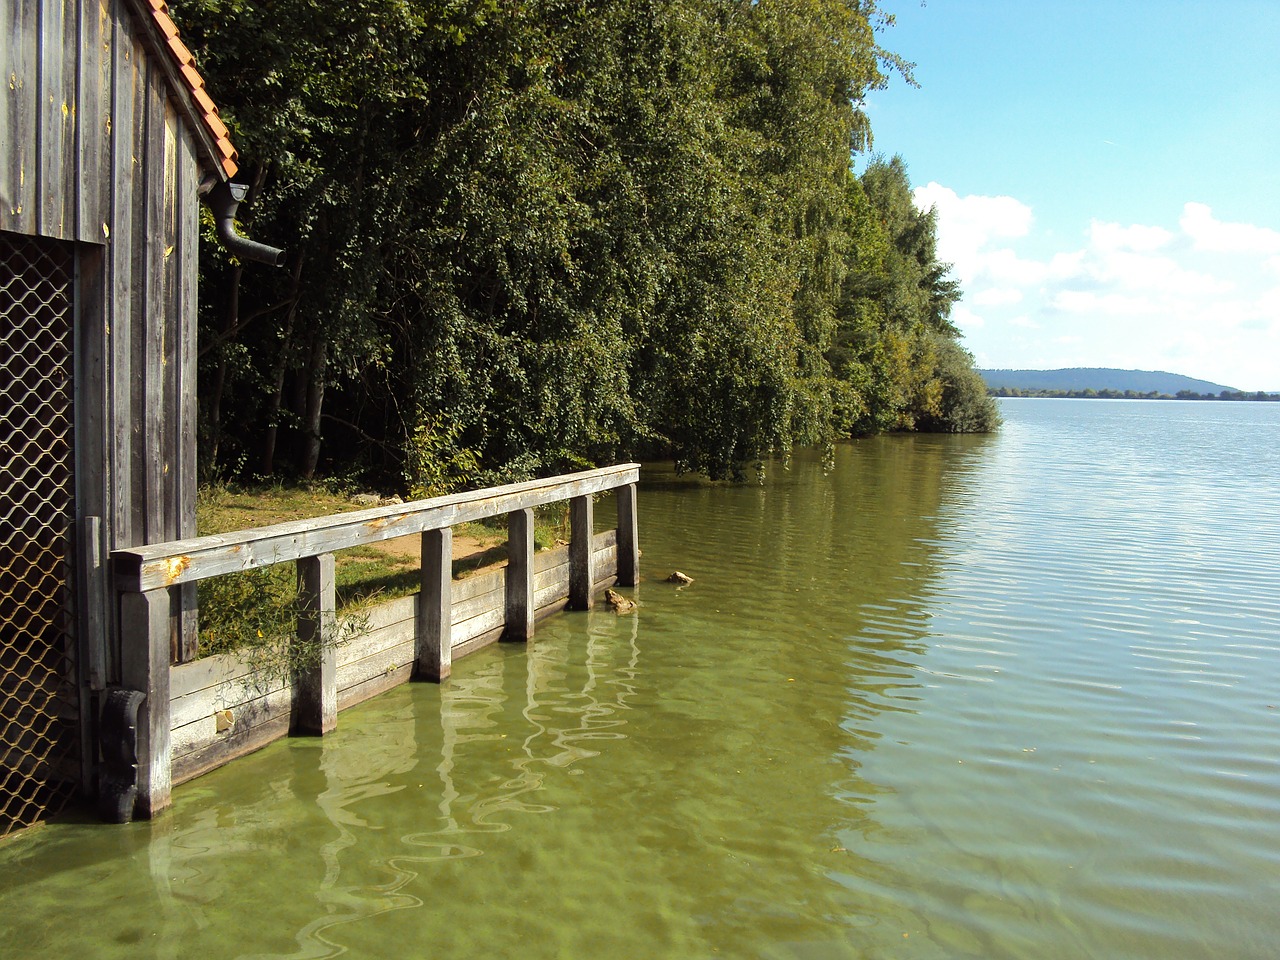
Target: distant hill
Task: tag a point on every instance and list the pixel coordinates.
(1099, 378)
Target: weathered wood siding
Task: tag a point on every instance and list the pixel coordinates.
(95, 152)
(222, 691)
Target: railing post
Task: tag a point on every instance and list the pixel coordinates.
(144, 629)
(582, 573)
(315, 688)
(520, 609)
(435, 606)
(628, 536)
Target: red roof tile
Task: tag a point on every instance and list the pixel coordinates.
(205, 106)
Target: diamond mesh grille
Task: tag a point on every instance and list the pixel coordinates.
(38, 741)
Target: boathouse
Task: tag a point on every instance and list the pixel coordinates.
(108, 143)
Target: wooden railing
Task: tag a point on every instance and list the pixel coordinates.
(144, 575)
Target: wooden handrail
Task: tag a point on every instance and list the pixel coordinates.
(140, 569)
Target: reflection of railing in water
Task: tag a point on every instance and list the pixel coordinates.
(355, 859)
(467, 817)
(188, 723)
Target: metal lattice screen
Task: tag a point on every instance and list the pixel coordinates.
(38, 702)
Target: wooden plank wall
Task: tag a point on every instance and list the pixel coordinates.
(220, 711)
(94, 152)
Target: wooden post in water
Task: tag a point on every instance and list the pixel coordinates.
(144, 664)
(628, 536)
(520, 609)
(315, 689)
(582, 579)
(434, 639)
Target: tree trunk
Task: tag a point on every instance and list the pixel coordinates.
(316, 373)
(229, 321)
(281, 368)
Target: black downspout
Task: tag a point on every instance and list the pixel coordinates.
(223, 200)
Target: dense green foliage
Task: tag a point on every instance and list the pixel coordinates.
(530, 237)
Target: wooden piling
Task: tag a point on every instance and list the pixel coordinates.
(628, 536)
(315, 693)
(434, 649)
(520, 601)
(144, 629)
(582, 580)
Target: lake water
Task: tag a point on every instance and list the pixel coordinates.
(940, 697)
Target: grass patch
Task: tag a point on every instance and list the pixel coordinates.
(257, 608)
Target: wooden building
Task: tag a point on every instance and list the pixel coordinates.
(108, 143)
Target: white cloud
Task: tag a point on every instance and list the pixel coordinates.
(1210, 234)
(966, 319)
(973, 222)
(997, 297)
(1118, 305)
(1112, 236)
(1199, 297)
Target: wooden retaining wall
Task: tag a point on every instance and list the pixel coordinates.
(219, 710)
(195, 715)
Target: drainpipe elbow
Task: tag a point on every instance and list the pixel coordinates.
(224, 199)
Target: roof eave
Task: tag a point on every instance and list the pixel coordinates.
(218, 154)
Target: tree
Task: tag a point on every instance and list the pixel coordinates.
(529, 237)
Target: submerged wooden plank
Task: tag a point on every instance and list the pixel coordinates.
(183, 561)
(552, 606)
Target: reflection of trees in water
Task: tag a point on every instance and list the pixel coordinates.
(830, 581)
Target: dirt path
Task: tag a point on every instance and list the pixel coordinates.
(464, 547)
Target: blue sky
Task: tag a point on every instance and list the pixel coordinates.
(1106, 175)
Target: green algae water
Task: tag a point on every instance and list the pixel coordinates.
(941, 697)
